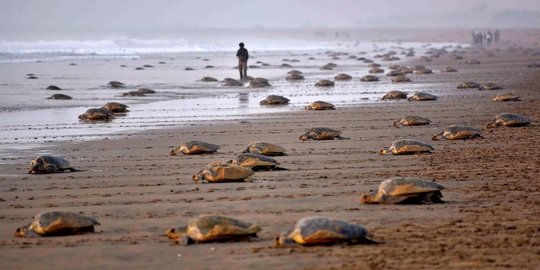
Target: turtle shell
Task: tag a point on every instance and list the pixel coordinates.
(52, 223)
(506, 97)
(369, 78)
(211, 228)
(94, 114)
(194, 148)
(407, 146)
(274, 100)
(255, 161)
(464, 85)
(222, 172)
(320, 133)
(264, 148)
(325, 231)
(258, 83)
(448, 69)
(60, 97)
(324, 83)
(294, 77)
(422, 96)
(395, 95)
(489, 86)
(320, 105)
(342, 77)
(115, 107)
(49, 164)
(400, 78)
(406, 190)
(116, 84)
(458, 132)
(412, 120)
(510, 120)
(209, 79)
(375, 70)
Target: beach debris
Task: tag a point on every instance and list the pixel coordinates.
(369, 78)
(258, 83)
(407, 147)
(215, 172)
(232, 82)
(194, 147)
(274, 100)
(256, 162)
(412, 120)
(49, 164)
(116, 107)
(422, 96)
(405, 190)
(209, 79)
(60, 97)
(342, 77)
(146, 91)
(464, 85)
(96, 114)
(395, 95)
(458, 132)
(53, 87)
(375, 70)
(265, 148)
(324, 83)
(57, 223)
(509, 120)
(320, 105)
(213, 228)
(321, 133)
(489, 86)
(116, 84)
(400, 78)
(506, 97)
(311, 231)
(133, 94)
(448, 69)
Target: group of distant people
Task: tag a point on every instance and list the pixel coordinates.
(486, 38)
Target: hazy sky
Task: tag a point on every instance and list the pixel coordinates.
(148, 14)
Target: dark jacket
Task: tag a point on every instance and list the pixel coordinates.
(242, 54)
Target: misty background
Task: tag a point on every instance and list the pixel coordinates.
(27, 19)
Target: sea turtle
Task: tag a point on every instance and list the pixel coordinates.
(264, 148)
(374, 65)
(395, 95)
(472, 62)
(212, 228)
(311, 231)
(256, 162)
(412, 120)
(406, 146)
(324, 83)
(458, 132)
(369, 78)
(422, 96)
(60, 96)
(400, 78)
(115, 107)
(448, 69)
(49, 164)
(342, 77)
(258, 83)
(376, 70)
(274, 100)
(393, 73)
(422, 71)
(194, 148)
(232, 82)
(133, 94)
(321, 133)
(146, 91)
(533, 65)
(216, 172)
(489, 86)
(464, 85)
(53, 87)
(94, 114)
(55, 223)
(294, 77)
(506, 97)
(295, 71)
(405, 70)
(320, 105)
(404, 190)
(509, 120)
(116, 84)
(209, 79)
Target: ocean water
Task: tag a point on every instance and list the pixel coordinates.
(82, 68)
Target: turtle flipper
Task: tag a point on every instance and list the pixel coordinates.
(185, 240)
(342, 138)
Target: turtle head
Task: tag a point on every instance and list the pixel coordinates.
(368, 199)
(304, 137)
(383, 151)
(178, 235)
(437, 136)
(282, 240)
(36, 165)
(22, 231)
(173, 152)
(396, 124)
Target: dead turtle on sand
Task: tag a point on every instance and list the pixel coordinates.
(412, 120)
(49, 164)
(325, 83)
(257, 162)
(115, 107)
(320, 105)
(274, 100)
(60, 97)
(321, 133)
(404, 190)
(264, 148)
(342, 77)
(506, 97)
(509, 120)
(489, 86)
(212, 228)
(369, 78)
(458, 132)
(407, 147)
(56, 223)
(422, 96)
(464, 85)
(96, 114)
(216, 172)
(194, 148)
(311, 231)
(395, 95)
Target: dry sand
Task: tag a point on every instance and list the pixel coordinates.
(491, 219)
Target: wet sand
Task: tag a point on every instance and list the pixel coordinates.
(489, 221)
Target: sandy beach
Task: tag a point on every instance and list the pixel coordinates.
(490, 220)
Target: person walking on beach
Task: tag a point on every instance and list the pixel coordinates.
(243, 56)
